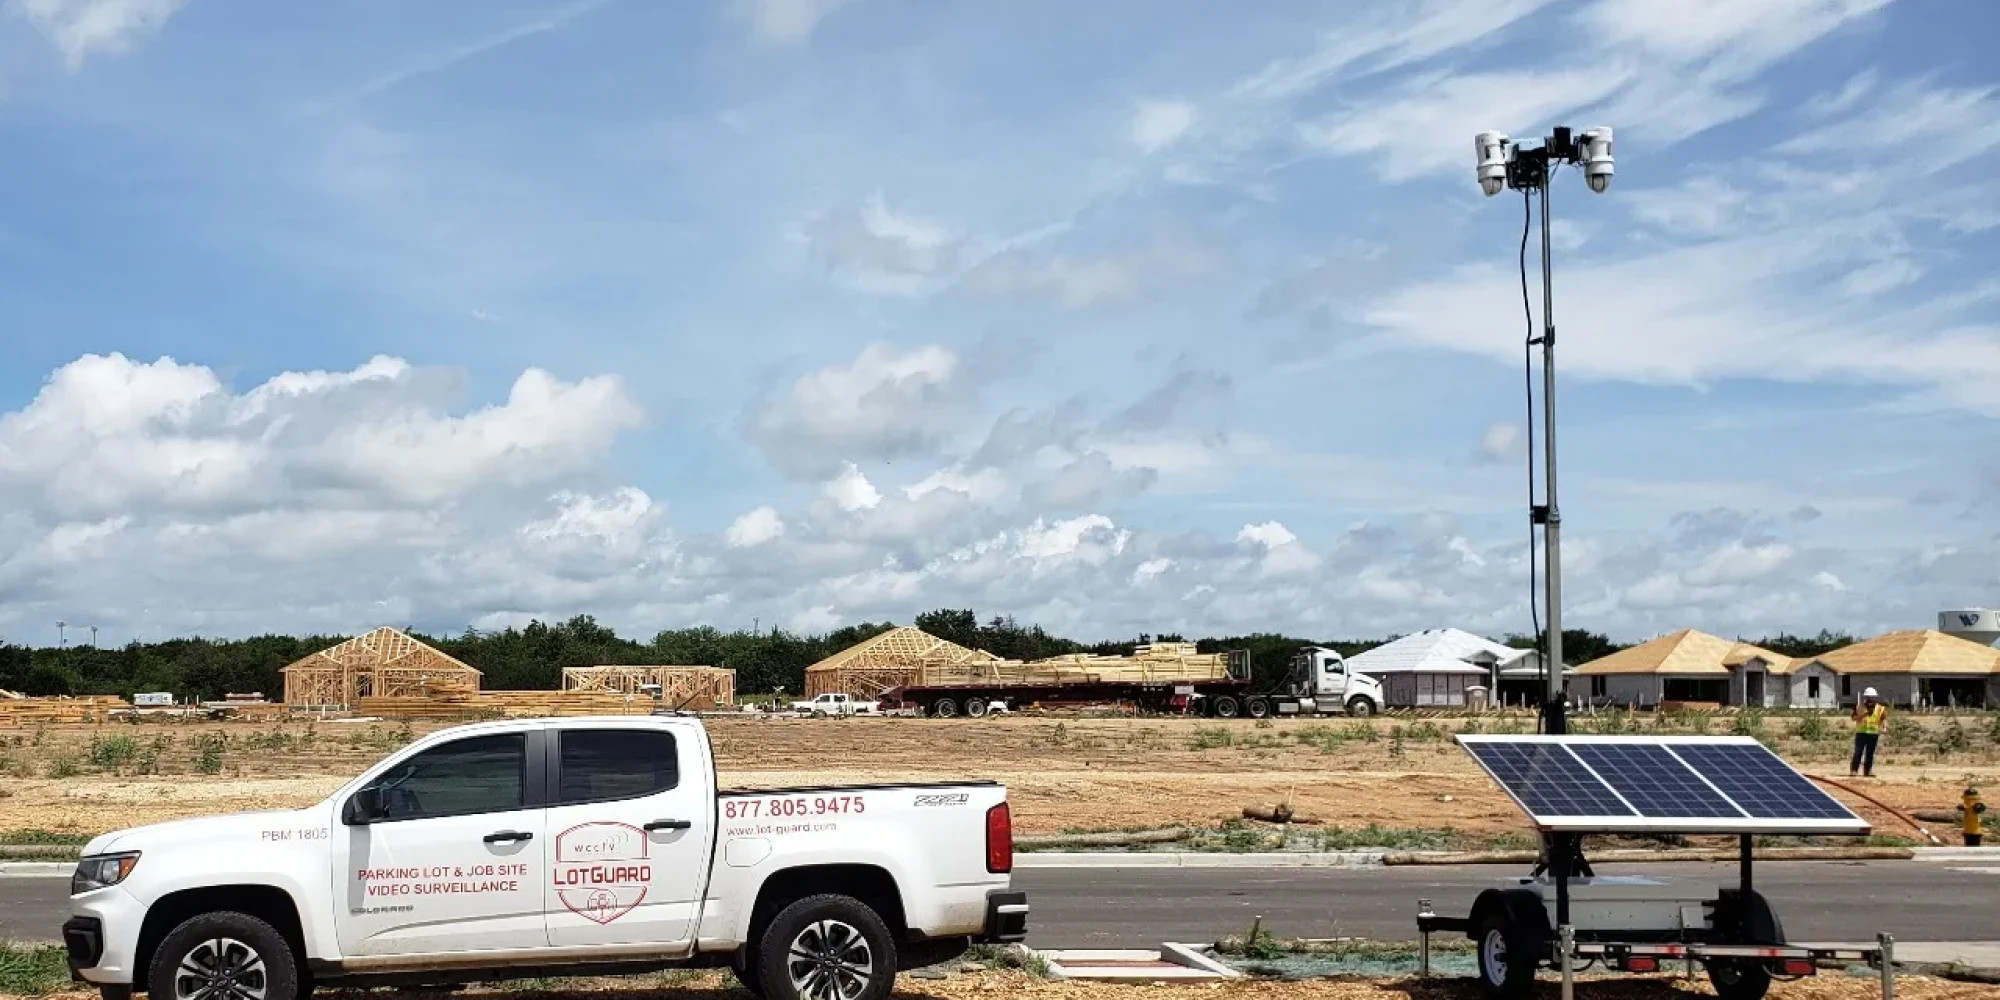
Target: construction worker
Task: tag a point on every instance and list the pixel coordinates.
(1869, 715)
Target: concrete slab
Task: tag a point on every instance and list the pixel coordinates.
(1171, 963)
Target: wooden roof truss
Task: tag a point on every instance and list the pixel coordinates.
(385, 663)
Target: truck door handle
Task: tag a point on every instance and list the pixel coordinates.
(508, 836)
(670, 824)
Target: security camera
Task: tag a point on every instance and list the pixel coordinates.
(1597, 158)
(1494, 151)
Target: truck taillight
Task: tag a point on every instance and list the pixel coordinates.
(999, 839)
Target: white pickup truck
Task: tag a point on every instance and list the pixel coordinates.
(837, 704)
(550, 846)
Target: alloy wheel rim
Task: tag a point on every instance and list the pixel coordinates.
(221, 968)
(830, 960)
(1495, 947)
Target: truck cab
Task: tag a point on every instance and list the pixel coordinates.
(1321, 682)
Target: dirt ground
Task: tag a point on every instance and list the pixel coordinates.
(966, 986)
(1064, 773)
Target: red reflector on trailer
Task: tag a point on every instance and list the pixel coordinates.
(1798, 967)
(1641, 963)
(999, 839)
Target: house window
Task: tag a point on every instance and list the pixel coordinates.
(1598, 686)
(1812, 688)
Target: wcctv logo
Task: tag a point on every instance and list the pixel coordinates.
(601, 870)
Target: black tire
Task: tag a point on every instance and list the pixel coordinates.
(1256, 708)
(1360, 707)
(944, 708)
(1739, 979)
(243, 957)
(826, 948)
(115, 991)
(1225, 706)
(1509, 954)
(975, 708)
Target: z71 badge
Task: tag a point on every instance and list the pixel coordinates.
(955, 799)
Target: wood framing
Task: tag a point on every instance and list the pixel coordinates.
(895, 657)
(692, 688)
(385, 663)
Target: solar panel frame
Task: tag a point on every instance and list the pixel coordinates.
(1739, 818)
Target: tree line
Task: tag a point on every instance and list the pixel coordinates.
(533, 657)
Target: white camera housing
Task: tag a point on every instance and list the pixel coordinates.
(1494, 151)
(1597, 166)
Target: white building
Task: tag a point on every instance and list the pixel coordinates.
(1433, 667)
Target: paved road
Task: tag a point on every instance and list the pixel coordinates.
(1141, 907)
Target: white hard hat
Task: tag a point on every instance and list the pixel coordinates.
(1867, 692)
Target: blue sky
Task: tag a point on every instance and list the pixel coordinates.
(1121, 317)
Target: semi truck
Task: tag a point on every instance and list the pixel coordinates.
(1319, 681)
(543, 847)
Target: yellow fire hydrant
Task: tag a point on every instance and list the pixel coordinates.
(1969, 808)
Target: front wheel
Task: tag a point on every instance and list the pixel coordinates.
(827, 948)
(224, 955)
(1739, 979)
(1507, 959)
(1360, 708)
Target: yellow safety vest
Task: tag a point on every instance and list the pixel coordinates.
(1871, 719)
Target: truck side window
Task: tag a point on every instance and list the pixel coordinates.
(473, 775)
(599, 765)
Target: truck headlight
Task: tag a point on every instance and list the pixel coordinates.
(101, 870)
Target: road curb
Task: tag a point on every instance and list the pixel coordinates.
(1189, 859)
(36, 869)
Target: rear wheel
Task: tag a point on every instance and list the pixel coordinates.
(944, 708)
(827, 948)
(223, 956)
(975, 708)
(1225, 707)
(1507, 957)
(1739, 979)
(1256, 708)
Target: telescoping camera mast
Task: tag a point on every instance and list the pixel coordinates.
(1570, 785)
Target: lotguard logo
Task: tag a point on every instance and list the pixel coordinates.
(601, 871)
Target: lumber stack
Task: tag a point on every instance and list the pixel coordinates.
(1152, 662)
(700, 689)
(536, 704)
(17, 713)
(417, 706)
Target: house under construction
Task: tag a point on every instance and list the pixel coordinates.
(385, 663)
(700, 689)
(898, 656)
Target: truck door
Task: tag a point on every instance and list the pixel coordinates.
(453, 861)
(1333, 673)
(630, 819)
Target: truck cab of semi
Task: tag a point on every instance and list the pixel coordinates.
(1321, 682)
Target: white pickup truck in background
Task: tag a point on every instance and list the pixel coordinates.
(837, 704)
(550, 846)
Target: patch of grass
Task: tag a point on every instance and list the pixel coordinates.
(1375, 835)
(1424, 732)
(1205, 738)
(1748, 722)
(64, 765)
(1950, 739)
(208, 756)
(1009, 957)
(1904, 729)
(34, 836)
(30, 970)
(113, 751)
(1812, 728)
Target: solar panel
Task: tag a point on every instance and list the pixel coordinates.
(1682, 784)
(1759, 782)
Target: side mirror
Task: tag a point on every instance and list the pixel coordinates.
(365, 807)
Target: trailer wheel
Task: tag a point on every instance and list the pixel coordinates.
(1225, 706)
(944, 708)
(975, 708)
(1739, 979)
(1360, 707)
(1256, 708)
(1507, 956)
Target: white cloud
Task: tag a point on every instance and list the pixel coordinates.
(1737, 562)
(1156, 124)
(852, 491)
(1881, 276)
(785, 22)
(1699, 206)
(1151, 569)
(1084, 282)
(754, 528)
(879, 250)
(1930, 128)
(1091, 538)
(1828, 581)
(886, 403)
(1502, 441)
(80, 28)
(1858, 86)
(1283, 553)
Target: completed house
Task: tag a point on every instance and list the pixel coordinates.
(1916, 667)
(1432, 667)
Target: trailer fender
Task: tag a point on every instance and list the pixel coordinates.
(1747, 918)
(1519, 906)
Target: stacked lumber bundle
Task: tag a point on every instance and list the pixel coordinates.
(535, 704)
(1158, 661)
(417, 706)
(25, 712)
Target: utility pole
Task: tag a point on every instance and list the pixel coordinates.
(62, 635)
